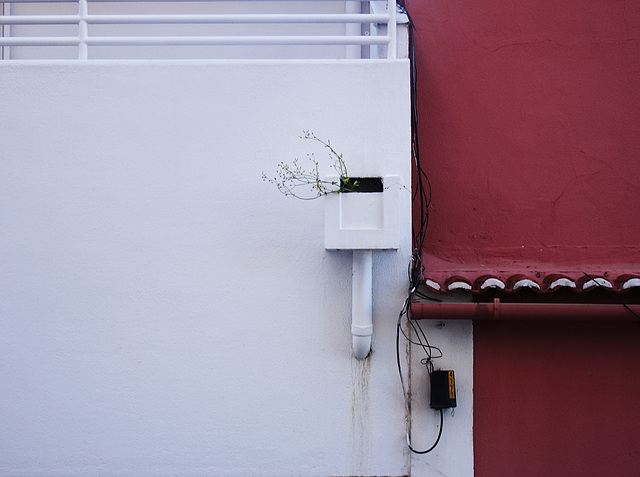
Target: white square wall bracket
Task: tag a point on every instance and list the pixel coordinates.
(363, 220)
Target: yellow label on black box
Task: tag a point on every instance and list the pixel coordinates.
(452, 385)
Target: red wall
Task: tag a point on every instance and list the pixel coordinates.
(530, 135)
(530, 130)
(555, 399)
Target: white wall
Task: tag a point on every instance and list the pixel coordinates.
(453, 456)
(163, 310)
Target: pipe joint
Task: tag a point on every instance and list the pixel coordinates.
(360, 330)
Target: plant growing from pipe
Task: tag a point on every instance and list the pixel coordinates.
(293, 178)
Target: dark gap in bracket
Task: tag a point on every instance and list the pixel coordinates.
(361, 184)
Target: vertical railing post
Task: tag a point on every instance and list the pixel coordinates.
(353, 29)
(83, 30)
(391, 29)
(5, 30)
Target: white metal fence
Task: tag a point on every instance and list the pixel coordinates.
(87, 29)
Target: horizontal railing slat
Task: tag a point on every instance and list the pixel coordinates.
(157, 1)
(195, 40)
(116, 19)
(41, 41)
(235, 40)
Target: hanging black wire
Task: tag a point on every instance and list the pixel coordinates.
(421, 201)
(617, 298)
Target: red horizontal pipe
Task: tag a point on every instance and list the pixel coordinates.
(524, 311)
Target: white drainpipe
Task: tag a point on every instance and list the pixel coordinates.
(361, 303)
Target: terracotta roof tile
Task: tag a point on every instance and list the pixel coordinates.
(478, 281)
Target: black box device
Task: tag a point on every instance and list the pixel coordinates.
(443, 389)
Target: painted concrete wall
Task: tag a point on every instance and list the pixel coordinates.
(533, 129)
(163, 310)
(531, 145)
(556, 398)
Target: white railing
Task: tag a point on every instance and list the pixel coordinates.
(76, 24)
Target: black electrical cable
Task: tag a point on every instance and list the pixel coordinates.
(421, 295)
(435, 443)
(611, 293)
(421, 200)
(428, 362)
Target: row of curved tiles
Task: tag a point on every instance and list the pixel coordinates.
(541, 283)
